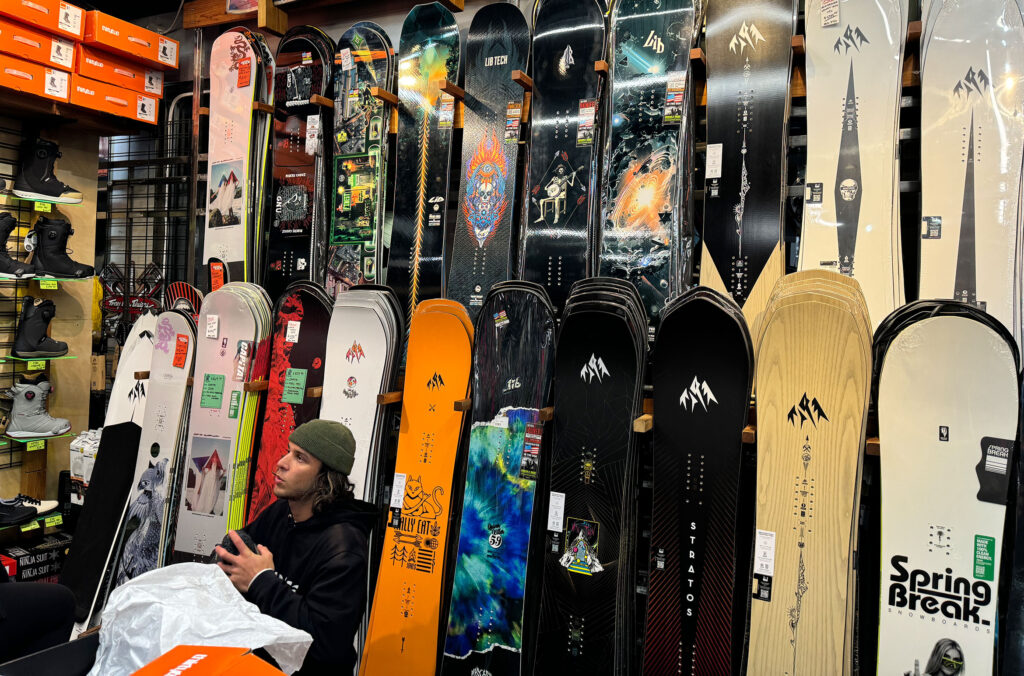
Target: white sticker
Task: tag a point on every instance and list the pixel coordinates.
(154, 82)
(145, 109)
(291, 334)
(212, 326)
(346, 59)
(312, 134)
(829, 13)
(168, 52)
(61, 52)
(56, 83)
(713, 166)
(764, 553)
(70, 19)
(556, 511)
(398, 491)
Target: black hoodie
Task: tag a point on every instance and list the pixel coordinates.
(319, 581)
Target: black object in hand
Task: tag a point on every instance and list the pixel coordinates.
(229, 545)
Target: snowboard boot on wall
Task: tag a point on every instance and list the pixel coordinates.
(29, 417)
(50, 255)
(36, 181)
(10, 268)
(32, 341)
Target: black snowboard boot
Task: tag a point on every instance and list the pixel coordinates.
(10, 268)
(36, 181)
(32, 341)
(51, 250)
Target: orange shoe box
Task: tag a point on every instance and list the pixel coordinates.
(20, 40)
(197, 660)
(97, 65)
(110, 98)
(32, 78)
(121, 37)
(54, 16)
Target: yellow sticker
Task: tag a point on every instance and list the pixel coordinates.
(30, 526)
(36, 365)
(48, 284)
(54, 520)
(36, 445)
(44, 207)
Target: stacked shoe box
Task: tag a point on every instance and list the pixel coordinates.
(36, 46)
(83, 456)
(38, 562)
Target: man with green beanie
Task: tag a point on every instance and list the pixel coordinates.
(309, 566)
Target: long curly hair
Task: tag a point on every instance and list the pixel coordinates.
(330, 487)
(934, 665)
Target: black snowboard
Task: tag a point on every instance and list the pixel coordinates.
(700, 534)
(428, 53)
(565, 136)
(498, 43)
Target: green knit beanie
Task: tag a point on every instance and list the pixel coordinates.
(328, 441)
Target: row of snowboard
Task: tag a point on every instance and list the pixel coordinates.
(521, 535)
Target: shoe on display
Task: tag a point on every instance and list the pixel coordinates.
(29, 417)
(31, 341)
(15, 512)
(36, 181)
(40, 506)
(9, 267)
(50, 250)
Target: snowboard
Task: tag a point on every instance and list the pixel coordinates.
(956, 427)
(513, 361)
(428, 54)
(644, 235)
(409, 598)
(851, 200)
(298, 225)
(815, 341)
(297, 356)
(569, 37)
(127, 400)
(586, 614)
(748, 65)
(184, 297)
(233, 89)
(701, 525)
(498, 43)
(147, 509)
(972, 145)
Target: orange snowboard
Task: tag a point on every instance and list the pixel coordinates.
(403, 634)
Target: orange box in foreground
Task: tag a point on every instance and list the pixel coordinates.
(110, 98)
(97, 65)
(55, 16)
(121, 37)
(197, 660)
(32, 78)
(29, 43)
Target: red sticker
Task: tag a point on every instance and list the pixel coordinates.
(244, 73)
(180, 351)
(216, 276)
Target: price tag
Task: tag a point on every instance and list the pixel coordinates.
(556, 511)
(294, 390)
(48, 284)
(212, 394)
(398, 491)
(346, 59)
(54, 520)
(30, 526)
(291, 334)
(36, 445)
(180, 351)
(212, 326)
(713, 166)
(216, 276)
(36, 365)
(43, 206)
(829, 13)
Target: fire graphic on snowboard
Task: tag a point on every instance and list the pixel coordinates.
(486, 199)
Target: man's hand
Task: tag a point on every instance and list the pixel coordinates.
(242, 568)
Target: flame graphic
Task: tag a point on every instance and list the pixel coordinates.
(644, 195)
(488, 165)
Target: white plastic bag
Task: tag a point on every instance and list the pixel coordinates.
(188, 604)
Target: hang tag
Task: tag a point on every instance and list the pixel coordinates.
(212, 394)
(291, 334)
(585, 126)
(397, 491)
(212, 326)
(346, 59)
(713, 165)
(244, 73)
(180, 351)
(556, 511)
(829, 13)
(312, 134)
(294, 390)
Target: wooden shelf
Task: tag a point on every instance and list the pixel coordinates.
(45, 112)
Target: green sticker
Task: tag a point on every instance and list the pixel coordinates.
(55, 520)
(294, 391)
(36, 445)
(30, 526)
(212, 395)
(50, 284)
(233, 405)
(36, 365)
(984, 557)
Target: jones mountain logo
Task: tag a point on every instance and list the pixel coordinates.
(698, 393)
(355, 353)
(435, 382)
(853, 37)
(918, 590)
(973, 81)
(594, 368)
(655, 42)
(807, 410)
(746, 36)
(565, 61)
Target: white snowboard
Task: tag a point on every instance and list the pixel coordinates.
(127, 402)
(853, 143)
(947, 417)
(971, 175)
